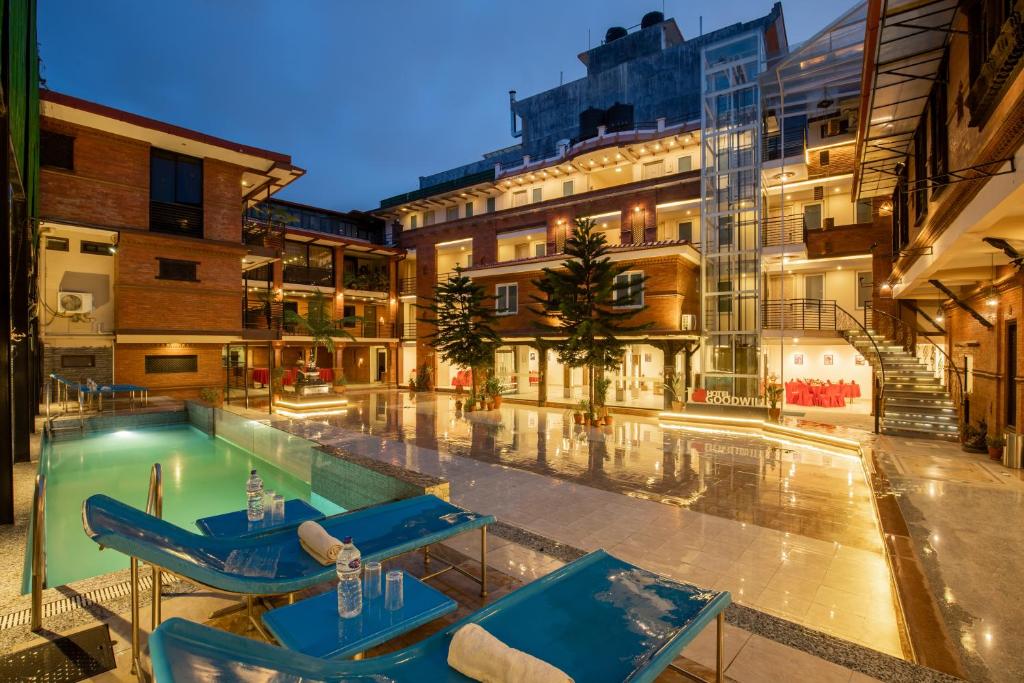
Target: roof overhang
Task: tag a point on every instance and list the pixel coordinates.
(905, 43)
(265, 172)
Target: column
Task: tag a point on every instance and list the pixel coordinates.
(542, 374)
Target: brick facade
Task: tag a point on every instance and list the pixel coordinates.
(130, 366)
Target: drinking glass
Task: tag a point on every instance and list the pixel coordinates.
(371, 580)
(393, 598)
(278, 508)
(268, 505)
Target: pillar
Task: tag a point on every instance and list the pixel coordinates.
(542, 374)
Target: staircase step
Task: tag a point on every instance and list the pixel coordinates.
(899, 423)
(920, 433)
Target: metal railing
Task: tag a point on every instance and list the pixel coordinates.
(373, 280)
(845, 322)
(409, 330)
(407, 285)
(262, 233)
(38, 551)
(308, 275)
(155, 507)
(779, 231)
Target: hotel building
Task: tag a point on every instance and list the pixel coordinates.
(167, 263)
(742, 281)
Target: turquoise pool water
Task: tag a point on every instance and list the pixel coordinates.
(202, 476)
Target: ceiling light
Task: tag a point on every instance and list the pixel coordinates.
(604, 159)
(618, 156)
(591, 162)
(657, 145)
(671, 143)
(789, 196)
(568, 169)
(643, 150)
(245, 183)
(618, 169)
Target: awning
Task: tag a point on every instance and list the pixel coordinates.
(904, 46)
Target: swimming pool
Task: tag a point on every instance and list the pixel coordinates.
(202, 476)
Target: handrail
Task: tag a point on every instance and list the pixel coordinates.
(909, 343)
(878, 395)
(154, 506)
(38, 551)
(47, 389)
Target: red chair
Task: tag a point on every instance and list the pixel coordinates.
(833, 397)
(793, 393)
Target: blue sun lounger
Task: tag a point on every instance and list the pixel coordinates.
(274, 563)
(597, 619)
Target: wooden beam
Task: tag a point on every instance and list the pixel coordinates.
(948, 292)
(914, 307)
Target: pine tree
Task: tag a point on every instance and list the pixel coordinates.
(463, 315)
(581, 296)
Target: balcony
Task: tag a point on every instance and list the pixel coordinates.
(409, 331)
(407, 285)
(367, 280)
(262, 319)
(359, 329)
(779, 231)
(308, 275)
(799, 314)
(176, 219)
(262, 234)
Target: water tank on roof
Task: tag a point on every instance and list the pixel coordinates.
(619, 117)
(590, 119)
(614, 33)
(651, 19)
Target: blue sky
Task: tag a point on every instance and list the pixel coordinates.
(366, 96)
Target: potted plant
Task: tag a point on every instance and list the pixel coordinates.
(210, 396)
(470, 404)
(676, 389)
(974, 438)
(582, 408)
(423, 380)
(995, 445)
(412, 380)
(773, 394)
(340, 383)
(600, 396)
(277, 381)
(493, 389)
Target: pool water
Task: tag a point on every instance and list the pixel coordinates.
(202, 476)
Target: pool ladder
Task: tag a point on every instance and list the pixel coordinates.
(155, 507)
(38, 551)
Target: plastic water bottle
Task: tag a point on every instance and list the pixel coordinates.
(254, 492)
(350, 583)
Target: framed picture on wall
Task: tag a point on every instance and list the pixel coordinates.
(829, 359)
(798, 359)
(533, 355)
(859, 360)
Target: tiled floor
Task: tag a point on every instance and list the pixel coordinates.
(791, 534)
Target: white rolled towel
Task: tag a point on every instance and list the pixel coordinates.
(477, 654)
(317, 542)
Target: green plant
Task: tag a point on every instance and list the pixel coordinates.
(209, 395)
(318, 324)
(588, 303)
(339, 380)
(422, 380)
(995, 441)
(462, 317)
(601, 387)
(277, 380)
(493, 387)
(676, 388)
(583, 407)
(772, 391)
(470, 403)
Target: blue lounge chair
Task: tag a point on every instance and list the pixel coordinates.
(596, 619)
(274, 563)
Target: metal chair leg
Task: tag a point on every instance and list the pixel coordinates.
(483, 562)
(720, 648)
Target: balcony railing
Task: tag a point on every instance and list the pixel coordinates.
(778, 231)
(359, 329)
(375, 280)
(308, 275)
(409, 331)
(262, 315)
(407, 285)
(261, 233)
(798, 314)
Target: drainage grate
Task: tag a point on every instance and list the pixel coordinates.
(92, 598)
(64, 660)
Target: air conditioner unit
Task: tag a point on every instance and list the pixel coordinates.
(74, 302)
(689, 321)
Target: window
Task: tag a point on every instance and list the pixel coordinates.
(522, 251)
(538, 195)
(519, 198)
(725, 232)
(171, 364)
(469, 209)
(490, 204)
(865, 211)
(428, 217)
(175, 193)
(937, 115)
(173, 269)
(97, 248)
(507, 299)
(540, 249)
(823, 157)
(920, 183)
(629, 289)
(413, 220)
(56, 150)
(686, 231)
(57, 243)
(654, 169)
(684, 164)
(814, 287)
(835, 126)
(567, 188)
(451, 213)
(865, 287)
(812, 216)
(78, 361)
(725, 301)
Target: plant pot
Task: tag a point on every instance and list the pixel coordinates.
(458, 405)
(339, 389)
(995, 452)
(490, 405)
(497, 401)
(774, 414)
(677, 406)
(468, 409)
(607, 419)
(577, 418)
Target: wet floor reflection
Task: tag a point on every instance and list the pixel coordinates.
(805, 491)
